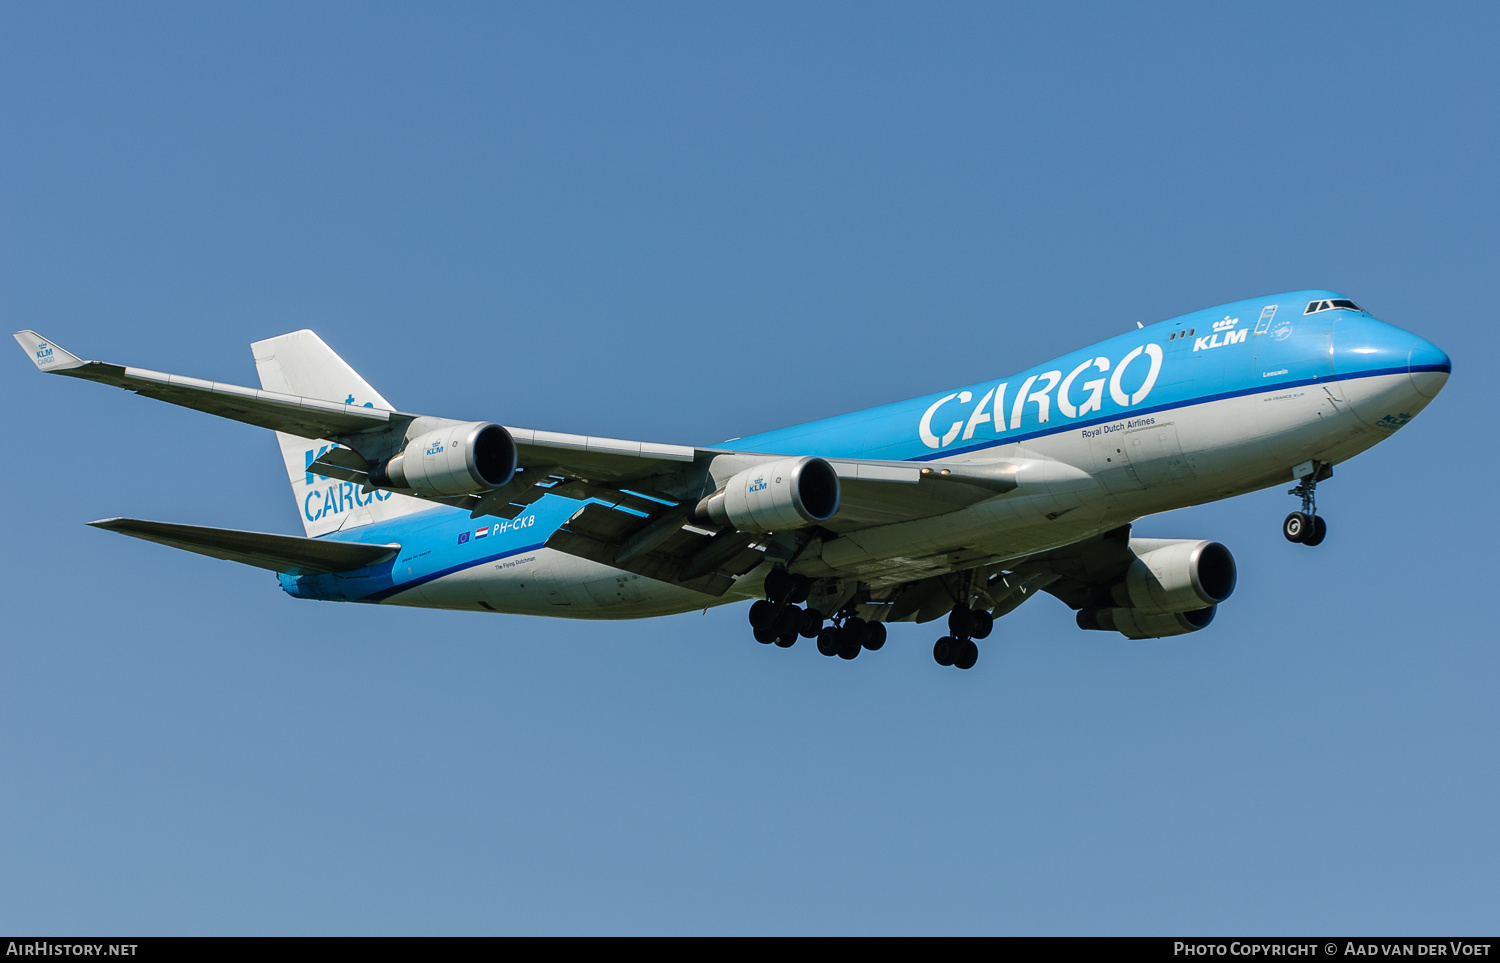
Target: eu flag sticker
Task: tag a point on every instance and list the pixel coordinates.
(464, 537)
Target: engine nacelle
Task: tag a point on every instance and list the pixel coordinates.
(775, 496)
(1171, 575)
(1135, 624)
(454, 460)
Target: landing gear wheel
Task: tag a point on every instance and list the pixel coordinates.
(874, 635)
(960, 621)
(966, 655)
(848, 644)
(980, 624)
(944, 650)
(812, 624)
(786, 640)
(762, 613)
(766, 634)
(858, 629)
(778, 585)
(828, 641)
(788, 620)
(801, 586)
(1307, 526)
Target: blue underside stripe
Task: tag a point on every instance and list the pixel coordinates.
(384, 594)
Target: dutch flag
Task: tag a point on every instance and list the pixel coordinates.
(481, 532)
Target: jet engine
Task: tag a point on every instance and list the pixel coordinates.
(1172, 576)
(775, 496)
(458, 459)
(1136, 624)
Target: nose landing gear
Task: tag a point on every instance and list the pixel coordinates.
(1307, 526)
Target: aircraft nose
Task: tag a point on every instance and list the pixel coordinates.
(1428, 366)
(1371, 357)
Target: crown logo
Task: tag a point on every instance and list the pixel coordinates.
(1226, 324)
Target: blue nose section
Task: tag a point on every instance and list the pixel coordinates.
(1426, 356)
(1429, 367)
(1371, 351)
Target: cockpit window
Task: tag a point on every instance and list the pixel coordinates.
(1313, 307)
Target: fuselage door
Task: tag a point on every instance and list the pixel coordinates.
(1112, 462)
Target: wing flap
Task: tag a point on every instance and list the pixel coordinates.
(701, 562)
(279, 553)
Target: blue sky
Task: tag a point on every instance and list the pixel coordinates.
(684, 223)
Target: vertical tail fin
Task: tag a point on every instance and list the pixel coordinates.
(301, 364)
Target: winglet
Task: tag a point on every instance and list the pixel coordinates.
(46, 355)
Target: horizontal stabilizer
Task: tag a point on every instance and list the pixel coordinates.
(279, 553)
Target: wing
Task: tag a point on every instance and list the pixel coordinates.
(641, 493)
(578, 466)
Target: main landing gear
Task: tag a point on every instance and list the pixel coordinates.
(966, 625)
(780, 619)
(1307, 526)
(849, 634)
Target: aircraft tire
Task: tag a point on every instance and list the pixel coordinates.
(778, 585)
(967, 654)
(960, 621)
(801, 586)
(812, 623)
(765, 635)
(980, 625)
(762, 613)
(874, 636)
(849, 646)
(788, 620)
(943, 650)
(786, 640)
(1318, 533)
(828, 641)
(1296, 527)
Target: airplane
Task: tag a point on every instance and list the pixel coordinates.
(963, 503)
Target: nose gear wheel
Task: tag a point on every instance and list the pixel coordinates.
(1307, 527)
